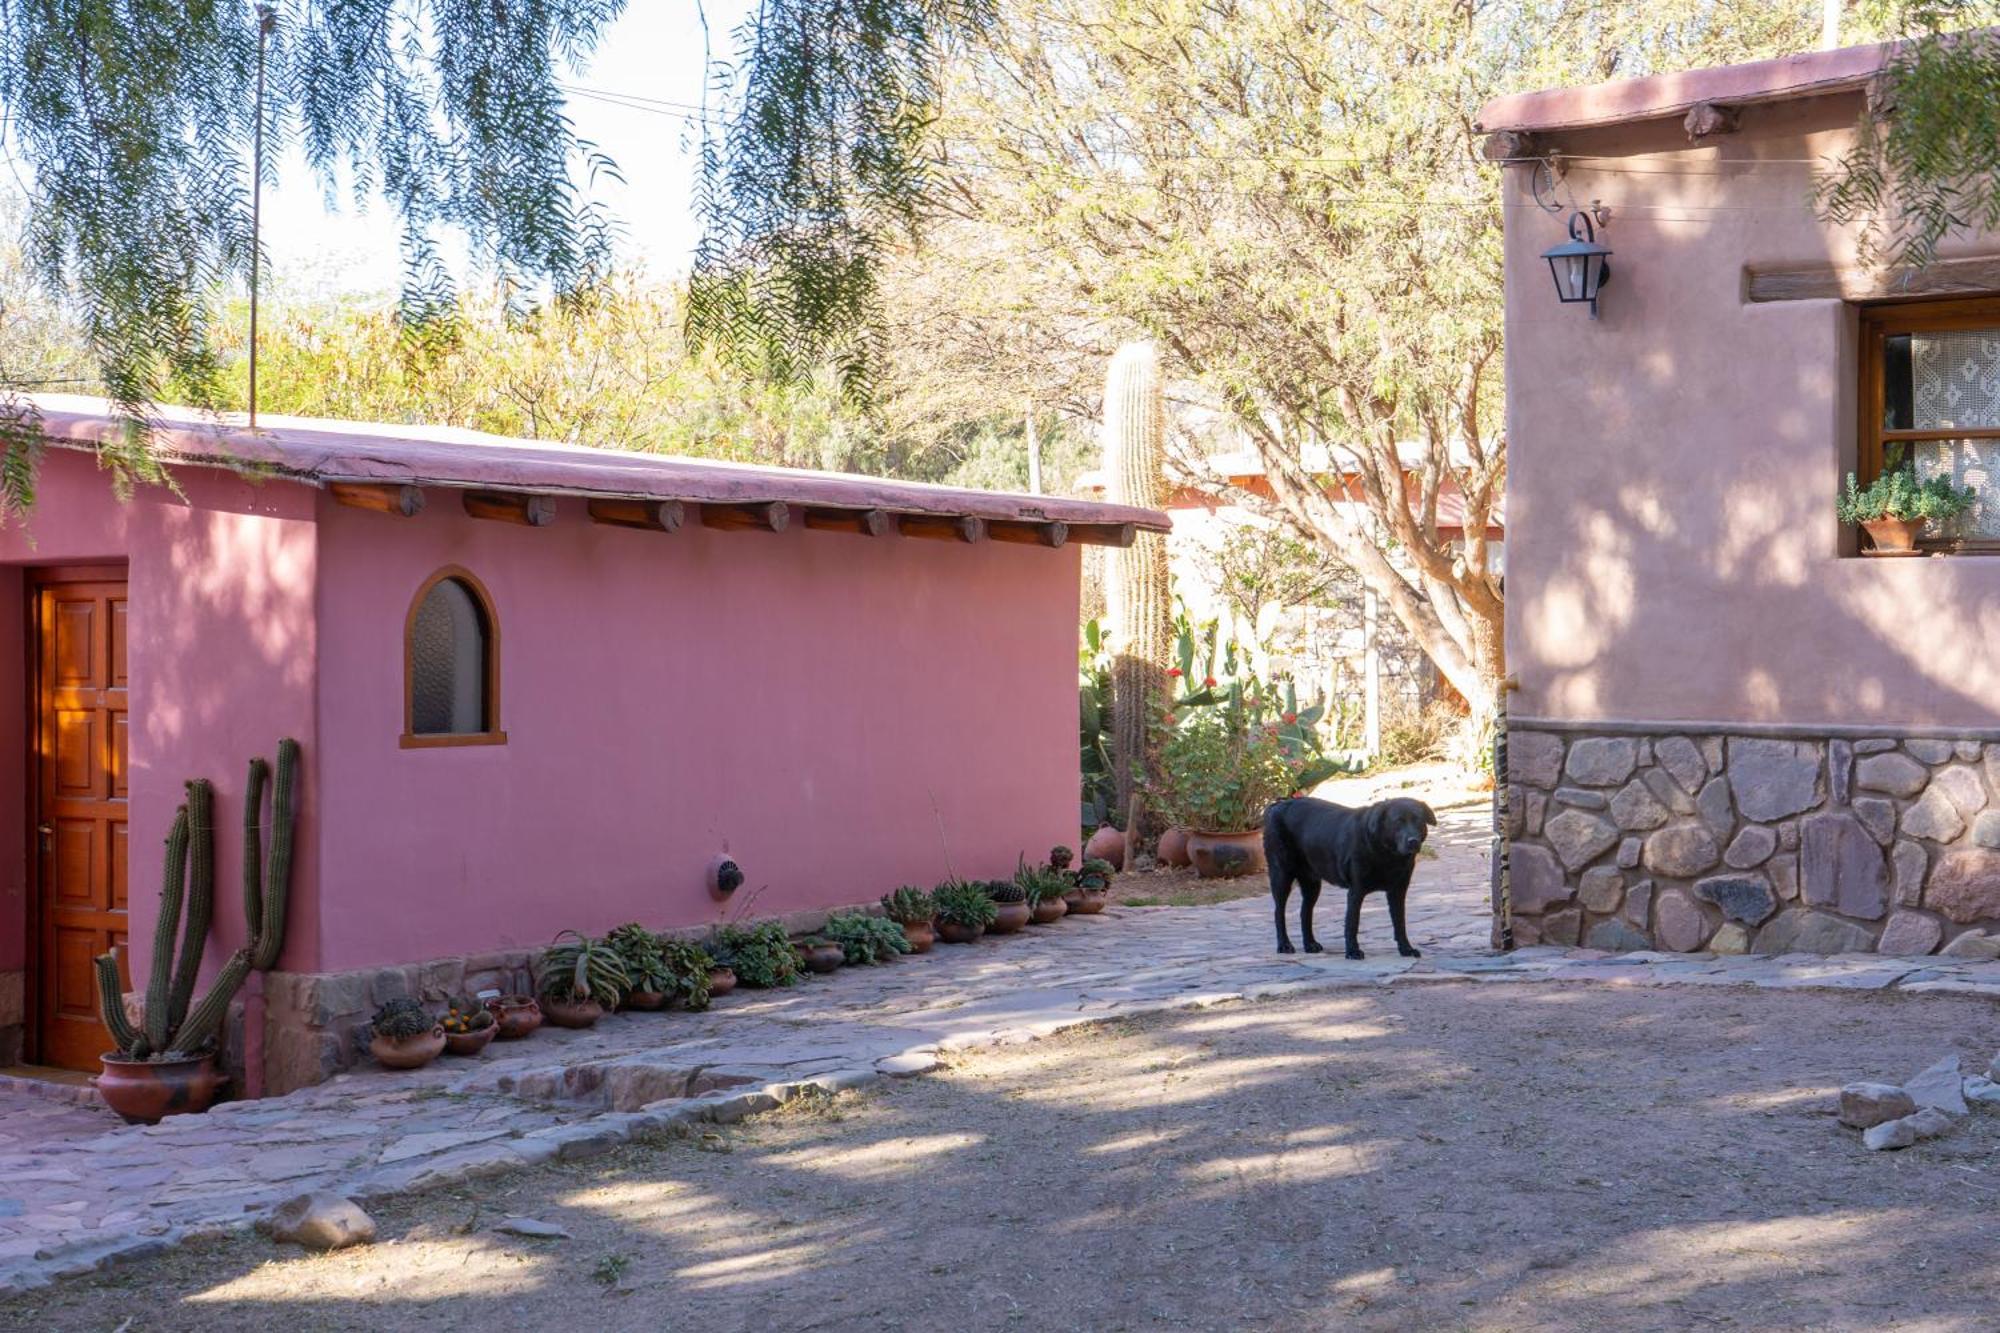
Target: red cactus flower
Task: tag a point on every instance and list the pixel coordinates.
(1170, 719)
(1174, 672)
(1291, 718)
(1208, 683)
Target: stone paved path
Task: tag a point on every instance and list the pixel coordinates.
(79, 1190)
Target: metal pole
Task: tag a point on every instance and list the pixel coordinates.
(267, 20)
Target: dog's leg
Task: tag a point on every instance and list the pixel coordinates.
(1281, 891)
(1403, 945)
(1308, 898)
(1354, 897)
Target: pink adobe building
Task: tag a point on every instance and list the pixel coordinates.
(1735, 729)
(537, 687)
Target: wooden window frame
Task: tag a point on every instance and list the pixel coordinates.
(1878, 324)
(493, 734)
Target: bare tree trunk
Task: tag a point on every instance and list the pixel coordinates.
(1137, 594)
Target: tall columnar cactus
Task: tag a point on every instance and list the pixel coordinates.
(170, 1028)
(1137, 593)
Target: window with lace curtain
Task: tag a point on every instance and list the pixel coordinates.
(451, 664)
(1930, 405)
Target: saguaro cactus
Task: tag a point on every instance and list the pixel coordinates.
(1137, 594)
(170, 1027)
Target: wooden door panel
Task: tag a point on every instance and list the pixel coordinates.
(80, 731)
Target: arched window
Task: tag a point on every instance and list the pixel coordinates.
(451, 664)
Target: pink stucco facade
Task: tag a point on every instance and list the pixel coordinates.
(838, 713)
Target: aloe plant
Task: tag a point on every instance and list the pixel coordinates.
(576, 967)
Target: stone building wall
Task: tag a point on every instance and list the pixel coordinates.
(1754, 843)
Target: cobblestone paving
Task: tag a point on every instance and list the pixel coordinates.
(78, 1189)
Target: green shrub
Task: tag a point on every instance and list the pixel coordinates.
(909, 906)
(1898, 494)
(1095, 875)
(962, 903)
(1217, 775)
(866, 939)
(760, 955)
(645, 967)
(687, 966)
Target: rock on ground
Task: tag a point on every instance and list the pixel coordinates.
(1979, 1088)
(533, 1228)
(1941, 1087)
(320, 1221)
(1928, 1123)
(1866, 1105)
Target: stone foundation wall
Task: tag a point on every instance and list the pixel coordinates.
(316, 1023)
(1754, 843)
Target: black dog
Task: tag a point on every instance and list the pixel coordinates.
(1313, 842)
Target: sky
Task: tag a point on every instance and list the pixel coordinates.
(653, 54)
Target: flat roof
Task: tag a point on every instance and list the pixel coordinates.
(1812, 74)
(325, 453)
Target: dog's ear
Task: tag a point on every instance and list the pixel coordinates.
(1430, 816)
(1371, 820)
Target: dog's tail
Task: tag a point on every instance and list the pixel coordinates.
(1277, 843)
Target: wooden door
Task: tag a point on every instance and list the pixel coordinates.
(81, 720)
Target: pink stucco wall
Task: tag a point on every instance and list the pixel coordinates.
(1673, 553)
(839, 713)
(221, 662)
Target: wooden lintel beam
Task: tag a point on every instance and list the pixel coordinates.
(1104, 534)
(867, 522)
(1975, 276)
(766, 516)
(1705, 120)
(535, 511)
(378, 497)
(650, 515)
(942, 527)
(1510, 146)
(1028, 533)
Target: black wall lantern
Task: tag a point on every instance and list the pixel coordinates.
(1581, 266)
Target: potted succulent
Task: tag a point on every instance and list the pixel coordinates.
(1894, 508)
(515, 1016)
(912, 909)
(1010, 907)
(1093, 885)
(469, 1026)
(577, 979)
(820, 954)
(692, 973)
(760, 955)
(1044, 887)
(865, 939)
(1060, 859)
(964, 910)
(403, 1035)
(1217, 776)
(648, 985)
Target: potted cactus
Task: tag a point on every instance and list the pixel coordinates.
(964, 910)
(1093, 885)
(469, 1027)
(1010, 907)
(577, 979)
(912, 909)
(165, 1061)
(403, 1035)
(1044, 888)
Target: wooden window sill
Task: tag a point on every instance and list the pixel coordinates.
(448, 742)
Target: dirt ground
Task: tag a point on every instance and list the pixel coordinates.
(1437, 1156)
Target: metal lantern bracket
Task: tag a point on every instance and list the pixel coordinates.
(1580, 266)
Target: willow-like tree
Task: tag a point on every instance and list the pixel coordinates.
(135, 121)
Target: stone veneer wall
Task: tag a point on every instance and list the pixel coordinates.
(1752, 843)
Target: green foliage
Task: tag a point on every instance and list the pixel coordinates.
(1926, 159)
(576, 967)
(1898, 494)
(645, 965)
(866, 939)
(464, 1013)
(1100, 785)
(400, 1018)
(1038, 884)
(909, 906)
(963, 903)
(1212, 674)
(687, 966)
(1095, 874)
(1217, 776)
(1006, 891)
(760, 955)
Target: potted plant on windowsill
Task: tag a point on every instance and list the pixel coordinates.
(1894, 508)
(912, 909)
(577, 979)
(964, 910)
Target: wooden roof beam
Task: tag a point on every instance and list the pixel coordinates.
(534, 511)
(648, 515)
(866, 522)
(762, 516)
(1104, 534)
(1051, 535)
(942, 527)
(379, 498)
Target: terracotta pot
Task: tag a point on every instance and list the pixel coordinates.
(408, 1052)
(1893, 534)
(920, 935)
(1089, 902)
(571, 1013)
(1009, 917)
(1048, 911)
(1226, 855)
(647, 1000)
(822, 957)
(951, 932)
(516, 1015)
(1106, 844)
(1173, 847)
(721, 981)
(471, 1043)
(145, 1092)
